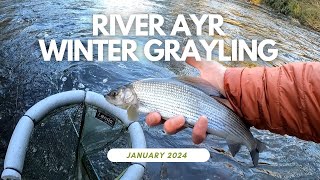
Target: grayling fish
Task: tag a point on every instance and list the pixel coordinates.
(190, 97)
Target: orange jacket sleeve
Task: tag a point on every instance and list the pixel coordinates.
(284, 100)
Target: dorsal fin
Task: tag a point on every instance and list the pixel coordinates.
(200, 84)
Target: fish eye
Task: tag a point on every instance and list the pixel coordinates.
(113, 93)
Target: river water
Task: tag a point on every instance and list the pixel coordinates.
(25, 78)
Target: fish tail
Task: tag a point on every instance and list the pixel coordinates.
(260, 147)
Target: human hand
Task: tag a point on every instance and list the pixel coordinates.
(211, 71)
(175, 124)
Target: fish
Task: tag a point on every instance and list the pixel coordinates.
(191, 97)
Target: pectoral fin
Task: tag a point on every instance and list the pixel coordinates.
(132, 112)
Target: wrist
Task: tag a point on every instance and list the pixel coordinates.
(221, 81)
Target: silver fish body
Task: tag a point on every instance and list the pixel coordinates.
(171, 97)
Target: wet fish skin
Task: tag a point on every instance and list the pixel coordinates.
(171, 97)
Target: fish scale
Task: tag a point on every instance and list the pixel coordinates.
(171, 98)
(190, 97)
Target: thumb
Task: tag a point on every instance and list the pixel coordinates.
(193, 62)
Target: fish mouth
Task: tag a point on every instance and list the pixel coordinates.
(108, 93)
(110, 100)
(107, 96)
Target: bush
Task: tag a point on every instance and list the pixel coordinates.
(306, 11)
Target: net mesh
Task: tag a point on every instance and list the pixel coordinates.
(72, 143)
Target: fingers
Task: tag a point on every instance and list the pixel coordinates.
(173, 125)
(206, 67)
(199, 131)
(203, 63)
(153, 119)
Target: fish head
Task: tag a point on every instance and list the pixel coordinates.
(122, 97)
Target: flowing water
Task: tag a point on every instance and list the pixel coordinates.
(25, 78)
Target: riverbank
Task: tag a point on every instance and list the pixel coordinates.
(306, 11)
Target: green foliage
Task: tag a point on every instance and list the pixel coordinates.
(306, 11)
(295, 8)
(279, 5)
